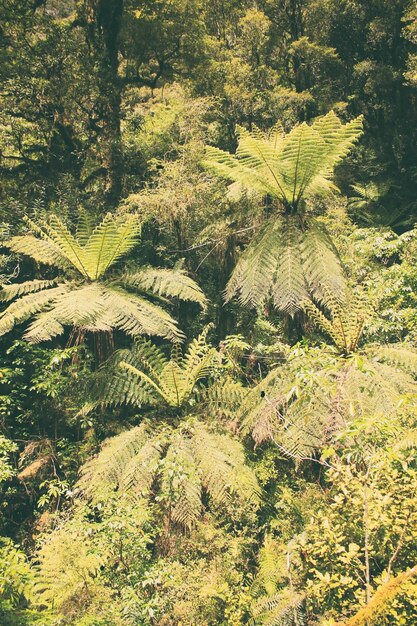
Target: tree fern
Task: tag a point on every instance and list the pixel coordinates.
(144, 373)
(178, 464)
(346, 320)
(89, 299)
(302, 405)
(293, 255)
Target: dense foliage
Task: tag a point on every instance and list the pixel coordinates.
(208, 376)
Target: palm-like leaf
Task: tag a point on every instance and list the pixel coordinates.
(168, 283)
(88, 301)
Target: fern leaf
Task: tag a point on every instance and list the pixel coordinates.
(321, 264)
(223, 468)
(41, 251)
(112, 468)
(163, 282)
(28, 305)
(289, 289)
(9, 292)
(253, 276)
(56, 232)
(135, 316)
(181, 484)
(111, 239)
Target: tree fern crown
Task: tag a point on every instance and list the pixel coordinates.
(89, 299)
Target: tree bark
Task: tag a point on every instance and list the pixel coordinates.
(104, 21)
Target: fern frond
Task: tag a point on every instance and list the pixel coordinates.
(302, 158)
(28, 305)
(9, 292)
(347, 316)
(81, 308)
(122, 464)
(253, 276)
(172, 283)
(340, 138)
(288, 167)
(39, 250)
(321, 263)
(289, 289)
(227, 166)
(281, 609)
(224, 472)
(122, 385)
(187, 460)
(110, 240)
(139, 474)
(225, 396)
(135, 316)
(181, 487)
(145, 373)
(272, 568)
(57, 233)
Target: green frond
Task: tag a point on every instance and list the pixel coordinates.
(271, 267)
(281, 609)
(28, 305)
(340, 138)
(181, 488)
(302, 158)
(82, 308)
(136, 316)
(227, 166)
(253, 276)
(170, 283)
(224, 472)
(110, 240)
(57, 233)
(126, 463)
(122, 385)
(143, 373)
(321, 264)
(176, 465)
(225, 396)
(152, 386)
(288, 167)
(287, 262)
(289, 288)
(8, 292)
(272, 568)
(303, 405)
(140, 472)
(39, 250)
(85, 226)
(347, 315)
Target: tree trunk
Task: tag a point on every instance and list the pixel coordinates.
(104, 20)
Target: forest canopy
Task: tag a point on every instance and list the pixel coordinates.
(208, 290)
